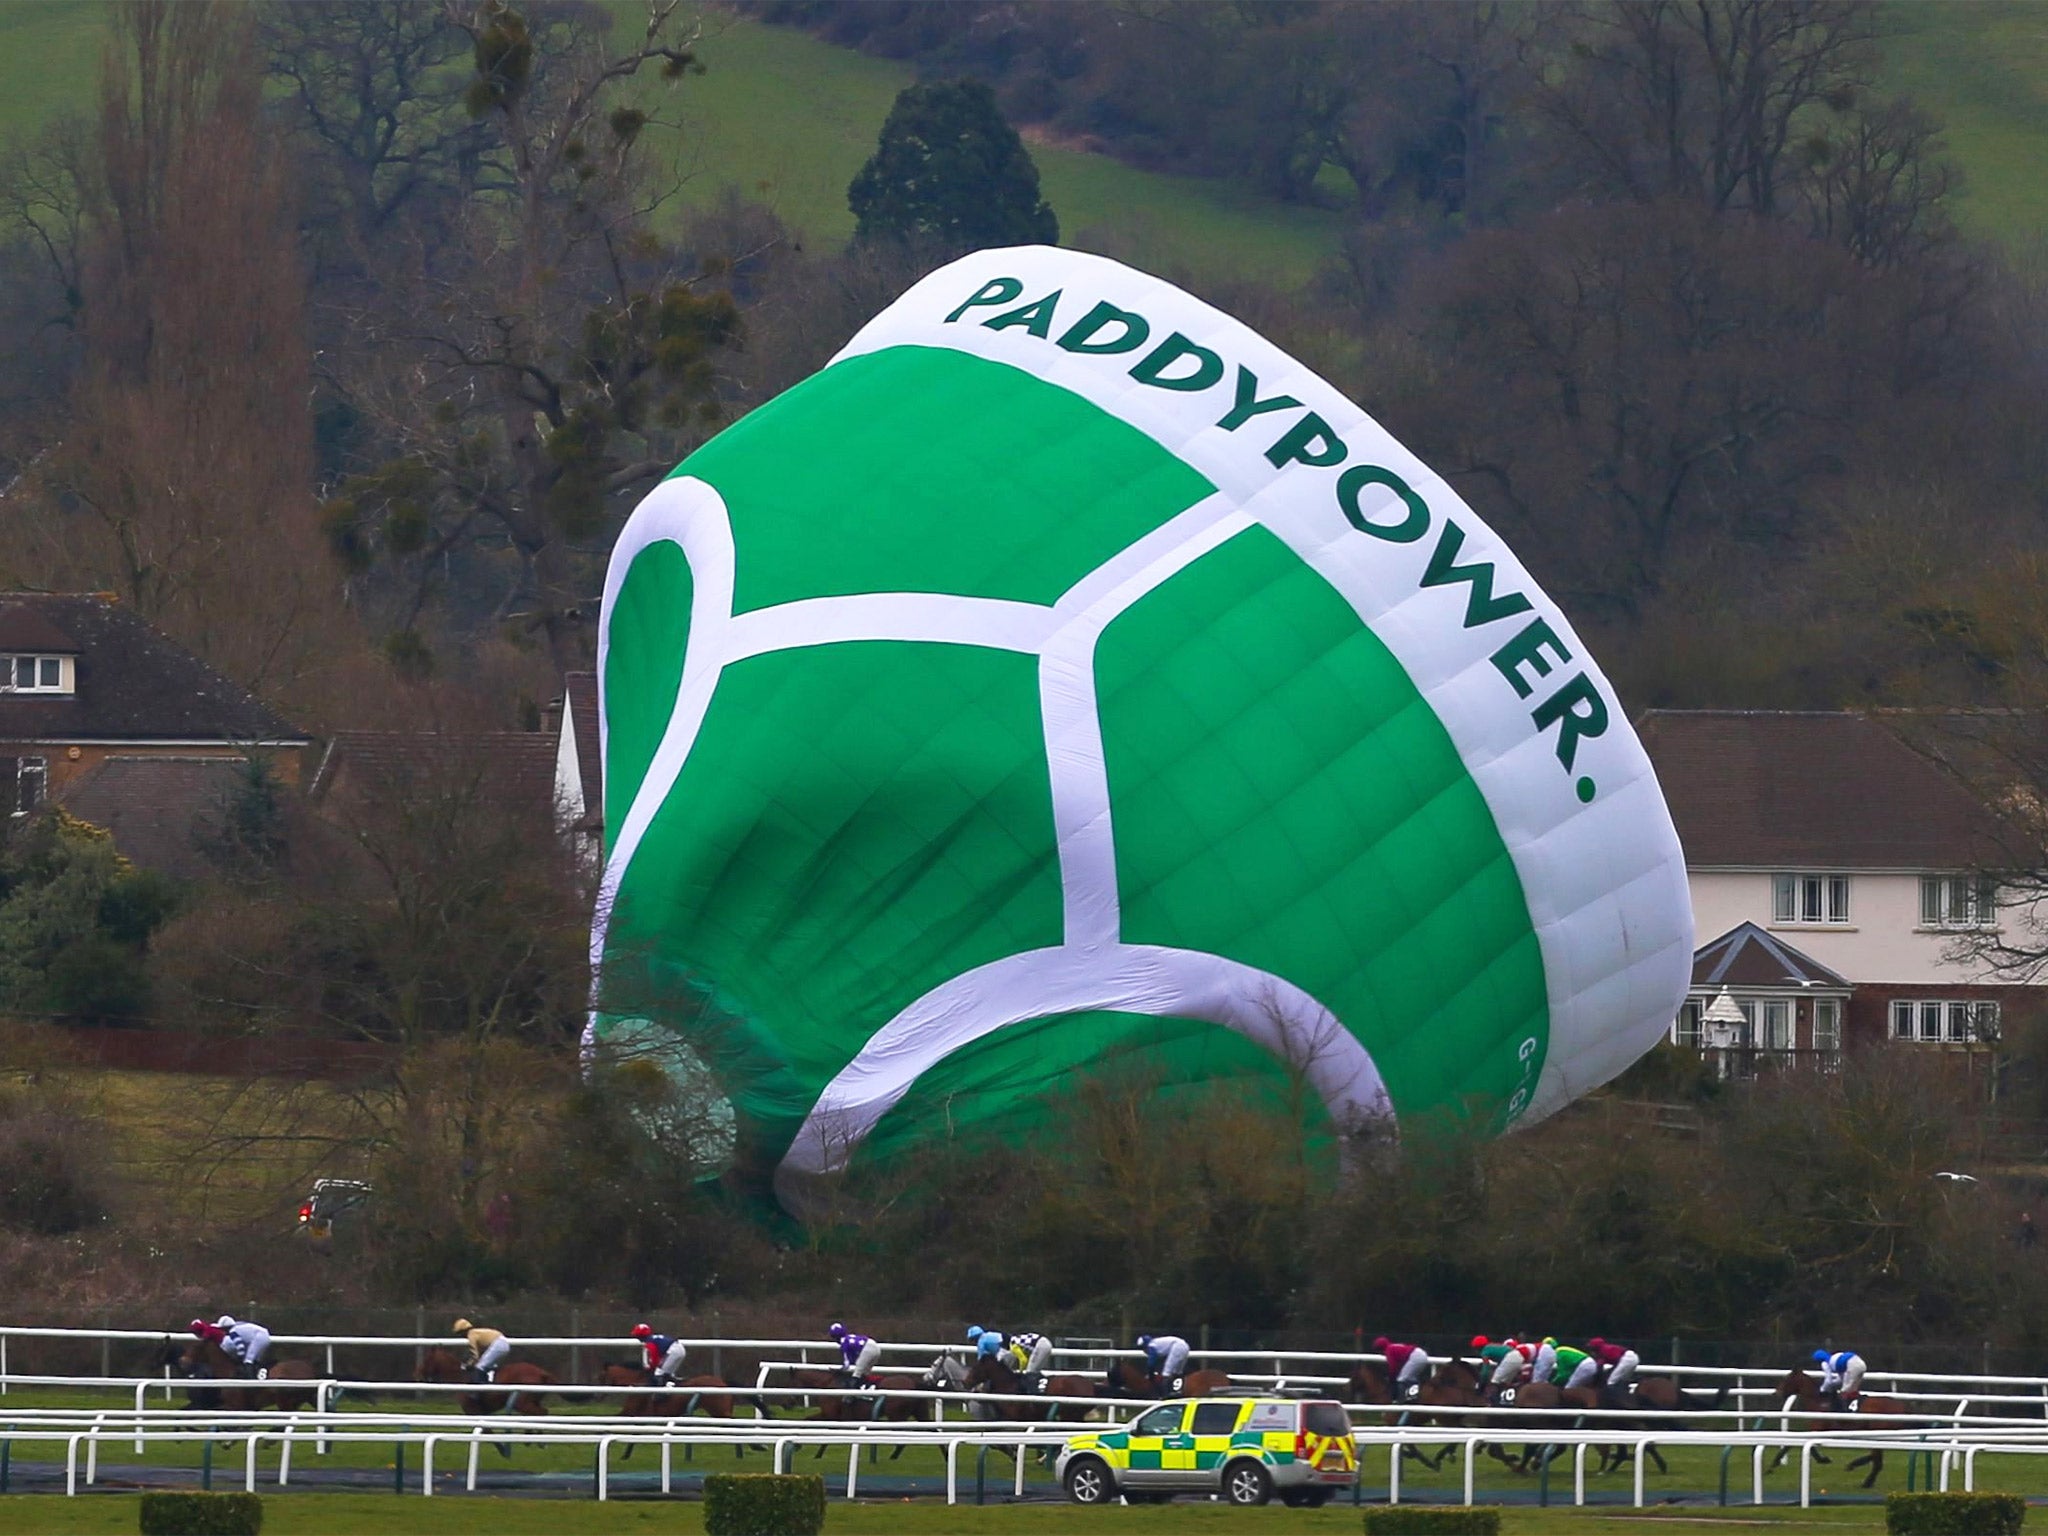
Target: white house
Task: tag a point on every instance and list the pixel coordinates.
(1831, 866)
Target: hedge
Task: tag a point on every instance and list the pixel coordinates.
(1425, 1520)
(201, 1514)
(1954, 1514)
(763, 1504)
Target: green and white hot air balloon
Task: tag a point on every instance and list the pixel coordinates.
(1065, 677)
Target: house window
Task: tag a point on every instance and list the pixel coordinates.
(1685, 1029)
(1827, 1024)
(1810, 898)
(1952, 1023)
(23, 783)
(1776, 1033)
(32, 674)
(1957, 901)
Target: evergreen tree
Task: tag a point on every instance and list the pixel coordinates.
(950, 170)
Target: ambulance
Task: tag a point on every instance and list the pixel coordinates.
(1243, 1449)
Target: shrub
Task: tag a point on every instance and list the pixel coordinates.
(52, 1170)
(1421, 1520)
(741, 1504)
(1954, 1514)
(201, 1514)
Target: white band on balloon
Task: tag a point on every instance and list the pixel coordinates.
(1052, 983)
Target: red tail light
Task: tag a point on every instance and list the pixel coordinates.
(306, 1211)
(1300, 1446)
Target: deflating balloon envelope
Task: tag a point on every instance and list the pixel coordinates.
(1064, 677)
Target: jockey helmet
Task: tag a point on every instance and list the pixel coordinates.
(642, 1331)
(199, 1327)
(1821, 1355)
(1596, 1343)
(1144, 1341)
(975, 1333)
(1478, 1341)
(1380, 1343)
(1550, 1341)
(224, 1321)
(463, 1325)
(837, 1330)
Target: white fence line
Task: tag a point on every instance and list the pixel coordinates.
(77, 1436)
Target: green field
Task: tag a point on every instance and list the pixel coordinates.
(789, 119)
(1982, 67)
(338, 1513)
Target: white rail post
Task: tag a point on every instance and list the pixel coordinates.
(1970, 1468)
(1756, 1476)
(1579, 1473)
(953, 1471)
(1394, 1474)
(476, 1444)
(249, 1462)
(604, 1468)
(1023, 1449)
(852, 1466)
(320, 1408)
(71, 1465)
(284, 1452)
(140, 1388)
(1471, 1456)
(1806, 1474)
(92, 1450)
(775, 1460)
(668, 1458)
(1642, 1462)
(3, 1362)
(427, 1466)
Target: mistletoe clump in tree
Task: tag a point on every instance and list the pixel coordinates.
(527, 377)
(951, 171)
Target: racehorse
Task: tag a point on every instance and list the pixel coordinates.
(1127, 1378)
(1808, 1403)
(868, 1406)
(442, 1365)
(996, 1376)
(1369, 1385)
(695, 1396)
(204, 1360)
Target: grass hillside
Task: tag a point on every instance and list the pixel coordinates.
(789, 119)
(1982, 67)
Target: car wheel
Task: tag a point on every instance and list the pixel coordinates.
(1089, 1482)
(1246, 1482)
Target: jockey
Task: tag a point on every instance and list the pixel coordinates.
(1544, 1364)
(244, 1343)
(857, 1354)
(1407, 1366)
(1166, 1354)
(665, 1355)
(987, 1341)
(1575, 1368)
(1841, 1375)
(1618, 1363)
(1031, 1354)
(1513, 1366)
(487, 1349)
(1489, 1352)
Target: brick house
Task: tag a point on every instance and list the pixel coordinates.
(1835, 882)
(109, 717)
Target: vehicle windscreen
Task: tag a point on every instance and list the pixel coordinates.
(1325, 1419)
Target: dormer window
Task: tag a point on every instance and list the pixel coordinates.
(36, 674)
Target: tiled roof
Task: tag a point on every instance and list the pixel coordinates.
(1768, 789)
(159, 809)
(134, 682)
(1747, 956)
(579, 704)
(513, 769)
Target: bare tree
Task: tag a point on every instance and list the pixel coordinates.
(556, 358)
